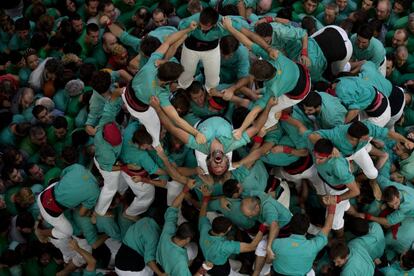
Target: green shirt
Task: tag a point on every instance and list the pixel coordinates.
(170, 256)
(296, 254)
(279, 137)
(143, 237)
(253, 178)
(395, 269)
(374, 53)
(220, 129)
(216, 249)
(359, 262)
(235, 67)
(369, 73)
(373, 242)
(77, 178)
(338, 136)
(407, 167)
(96, 105)
(271, 210)
(84, 224)
(335, 171)
(234, 214)
(109, 226)
(355, 93)
(287, 73)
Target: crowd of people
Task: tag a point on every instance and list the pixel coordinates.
(196, 137)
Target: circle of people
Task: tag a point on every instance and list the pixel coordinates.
(221, 137)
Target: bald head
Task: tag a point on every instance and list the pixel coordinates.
(400, 38)
(108, 41)
(250, 206)
(264, 6)
(383, 9)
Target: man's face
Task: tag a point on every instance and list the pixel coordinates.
(339, 262)
(93, 38)
(398, 39)
(60, 132)
(362, 43)
(398, 8)
(410, 26)
(37, 173)
(44, 117)
(40, 139)
(310, 110)
(109, 41)
(219, 168)
(23, 34)
(109, 11)
(400, 59)
(50, 161)
(92, 8)
(205, 28)
(309, 6)
(342, 4)
(382, 11)
(16, 176)
(70, 6)
(198, 98)
(32, 61)
(27, 100)
(159, 19)
(77, 26)
(389, 68)
(367, 5)
(329, 16)
(263, 6)
(248, 210)
(320, 159)
(129, 2)
(394, 203)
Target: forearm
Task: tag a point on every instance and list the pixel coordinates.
(158, 183)
(382, 221)
(260, 122)
(173, 48)
(187, 171)
(177, 36)
(241, 83)
(273, 232)
(250, 117)
(178, 200)
(397, 137)
(154, 267)
(125, 75)
(255, 38)
(115, 30)
(100, 241)
(183, 124)
(351, 115)
(242, 9)
(328, 224)
(203, 209)
(240, 36)
(305, 43)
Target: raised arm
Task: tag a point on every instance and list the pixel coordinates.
(227, 24)
(260, 41)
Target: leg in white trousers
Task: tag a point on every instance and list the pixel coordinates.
(62, 228)
(144, 196)
(283, 103)
(211, 64)
(108, 191)
(381, 120)
(364, 161)
(70, 255)
(149, 119)
(145, 272)
(173, 190)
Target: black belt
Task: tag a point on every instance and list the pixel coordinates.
(302, 85)
(133, 101)
(336, 188)
(299, 166)
(195, 44)
(380, 109)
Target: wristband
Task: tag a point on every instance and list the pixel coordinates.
(206, 199)
(287, 149)
(368, 216)
(284, 116)
(269, 19)
(338, 199)
(331, 209)
(109, 23)
(258, 139)
(262, 228)
(186, 189)
(304, 52)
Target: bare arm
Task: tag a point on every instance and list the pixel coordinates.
(248, 247)
(172, 114)
(90, 260)
(351, 115)
(329, 220)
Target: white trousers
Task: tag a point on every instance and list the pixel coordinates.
(364, 161)
(62, 228)
(381, 120)
(144, 196)
(211, 64)
(69, 254)
(149, 119)
(396, 117)
(109, 189)
(311, 174)
(145, 272)
(173, 190)
(338, 66)
(283, 103)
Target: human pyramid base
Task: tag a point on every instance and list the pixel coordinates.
(207, 137)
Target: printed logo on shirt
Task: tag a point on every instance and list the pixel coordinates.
(154, 83)
(279, 72)
(295, 244)
(85, 177)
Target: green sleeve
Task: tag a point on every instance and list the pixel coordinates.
(131, 41)
(170, 225)
(259, 51)
(148, 163)
(110, 110)
(150, 248)
(396, 217)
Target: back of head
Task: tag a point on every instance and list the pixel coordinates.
(230, 187)
(264, 29)
(313, 99)
(407, 259)
(262, 70)
(101, 81)
(339, 249)
(358, 129)
(22, 24)
(180, 102)
(229, 10)
(299, 224)
(357, 226)
(149, 44)
(221, 225)
(323, 146)
(170, 71)
(194, 88)
(70, 155)
(309, 24)
(365, 31)
(228, 45)
(25, 220)
(209, 16)
(141, 136)
(390, 193)
(185, 231)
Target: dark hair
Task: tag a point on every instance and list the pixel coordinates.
(338, 249)
(101, 81)
(141, 136)
(209, 16)
(228, 45)
(54, 66)
(285, 13)
(170, 71)
(60, 122)
(15, 57)
(313, 99)
(357, 130)
(407, 260)
(238, 116)
(357, 226)
(37, 11)
(230, 187)
(22, 129)
(229, 10)
(57, 41)
(103, 4)
(184, 231)
(70, 155)
(390, 193)
(167, 7)
(391, 57)
(180, 101)
(194, 88)
(376, 25)
(86, 71)
(149, 44)
(262, 70)
(72, 47)
(324, 146)
(299, 224)
(92, 28)
(365, 31)
(22, 24)
(38, 41)
(220, 225)
(74, 16)
(79, 137)
(309, 24)
(37, 109)
(47, 151)
(25, 220)
(264, 29)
